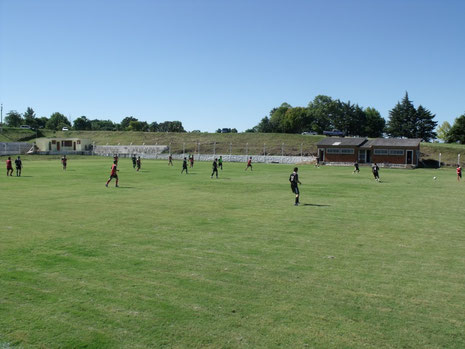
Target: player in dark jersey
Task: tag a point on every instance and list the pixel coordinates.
(138, 163)
(249, 164)
(113, 174)
(9, 167)
(215, 168)
(375, 170)
(459, 172)
(134, 161)
(170, 160)
(64, 162)
(294, 179)
(184, 165)
(220, 163)
(115, 159)
(191, 161)
(356, 169)
(317, 162)
(19, 166)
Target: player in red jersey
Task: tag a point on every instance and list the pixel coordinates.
(249, 164)
(9, 167)
(459, 172)
(113, 174)
(138, 164)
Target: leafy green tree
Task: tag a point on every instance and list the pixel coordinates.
(42, 121)
(126, 121)
(295, 120)
(264, 126)
(102, 125)
(277, 117)
(375, 123)
(57, 121)
(30, 118)
(234, 130)
(443, 131)
(402, 119)
(82, 123)
(153, 127)
(321, 110)
(171, 126)
(138, 126)
(424, 124)
(457, 131)
(13, 119)
(218, 130)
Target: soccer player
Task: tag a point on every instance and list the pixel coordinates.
(170, 160)
(19, 166)
(191, 161)
(459, 172)
(249, 164)
(184, 165)
(294, 179)
(220, 163)
(317, 162)
(134, 161)
(113, 174)
(375, 170)
(9, 167)
(215, 168)
(356, 169)
(138, 163)
(115, 158)
(64, 162)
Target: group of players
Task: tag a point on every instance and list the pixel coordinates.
(217, 163)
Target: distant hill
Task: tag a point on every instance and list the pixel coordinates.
(241, 143)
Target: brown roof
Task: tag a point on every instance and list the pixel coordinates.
(395, 142)
(341, 142)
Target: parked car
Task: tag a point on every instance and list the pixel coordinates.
(311, 133)
(334, 133)
(25, 126)
(65, 129)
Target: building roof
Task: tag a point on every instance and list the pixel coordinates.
(341, 142)
(395, 142)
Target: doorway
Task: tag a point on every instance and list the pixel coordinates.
(409, 157)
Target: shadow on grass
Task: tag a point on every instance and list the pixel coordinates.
(316, 205)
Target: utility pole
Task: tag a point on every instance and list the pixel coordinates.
(1, 118)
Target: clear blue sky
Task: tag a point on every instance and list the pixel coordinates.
(214, 63)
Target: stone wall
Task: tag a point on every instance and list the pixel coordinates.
(14, 148)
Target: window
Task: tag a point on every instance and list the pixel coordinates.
(347, 151)
(78, 141)
(54, 141)
(67, 143)
(381, 152)
(333, 150)
(396, 152)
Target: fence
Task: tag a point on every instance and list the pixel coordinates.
(204, 152)
(14, 148)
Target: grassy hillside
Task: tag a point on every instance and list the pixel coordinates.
(241, 142)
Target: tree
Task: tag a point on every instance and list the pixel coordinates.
(375, 124)
(443, 131)
(57, 121)
(277, 117)
(234, 130)
(457, 131)
(30, 118)
(102, 125)
(82, 123)
(402, 119)
(171, 126)
(153, 127)
(138, 126)
(218, 130)
(42, 121)
(321, 110)
(425, 125)
(264, 126)
(295, 120)
(13, 119)
(126, 121)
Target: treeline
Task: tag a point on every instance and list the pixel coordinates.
(325, 114)
(57, 121)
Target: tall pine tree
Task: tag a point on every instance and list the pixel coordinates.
(425, 124)
(402, 119)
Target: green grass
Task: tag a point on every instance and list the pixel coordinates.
(185, 261)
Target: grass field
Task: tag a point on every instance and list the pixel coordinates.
(185, 261)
